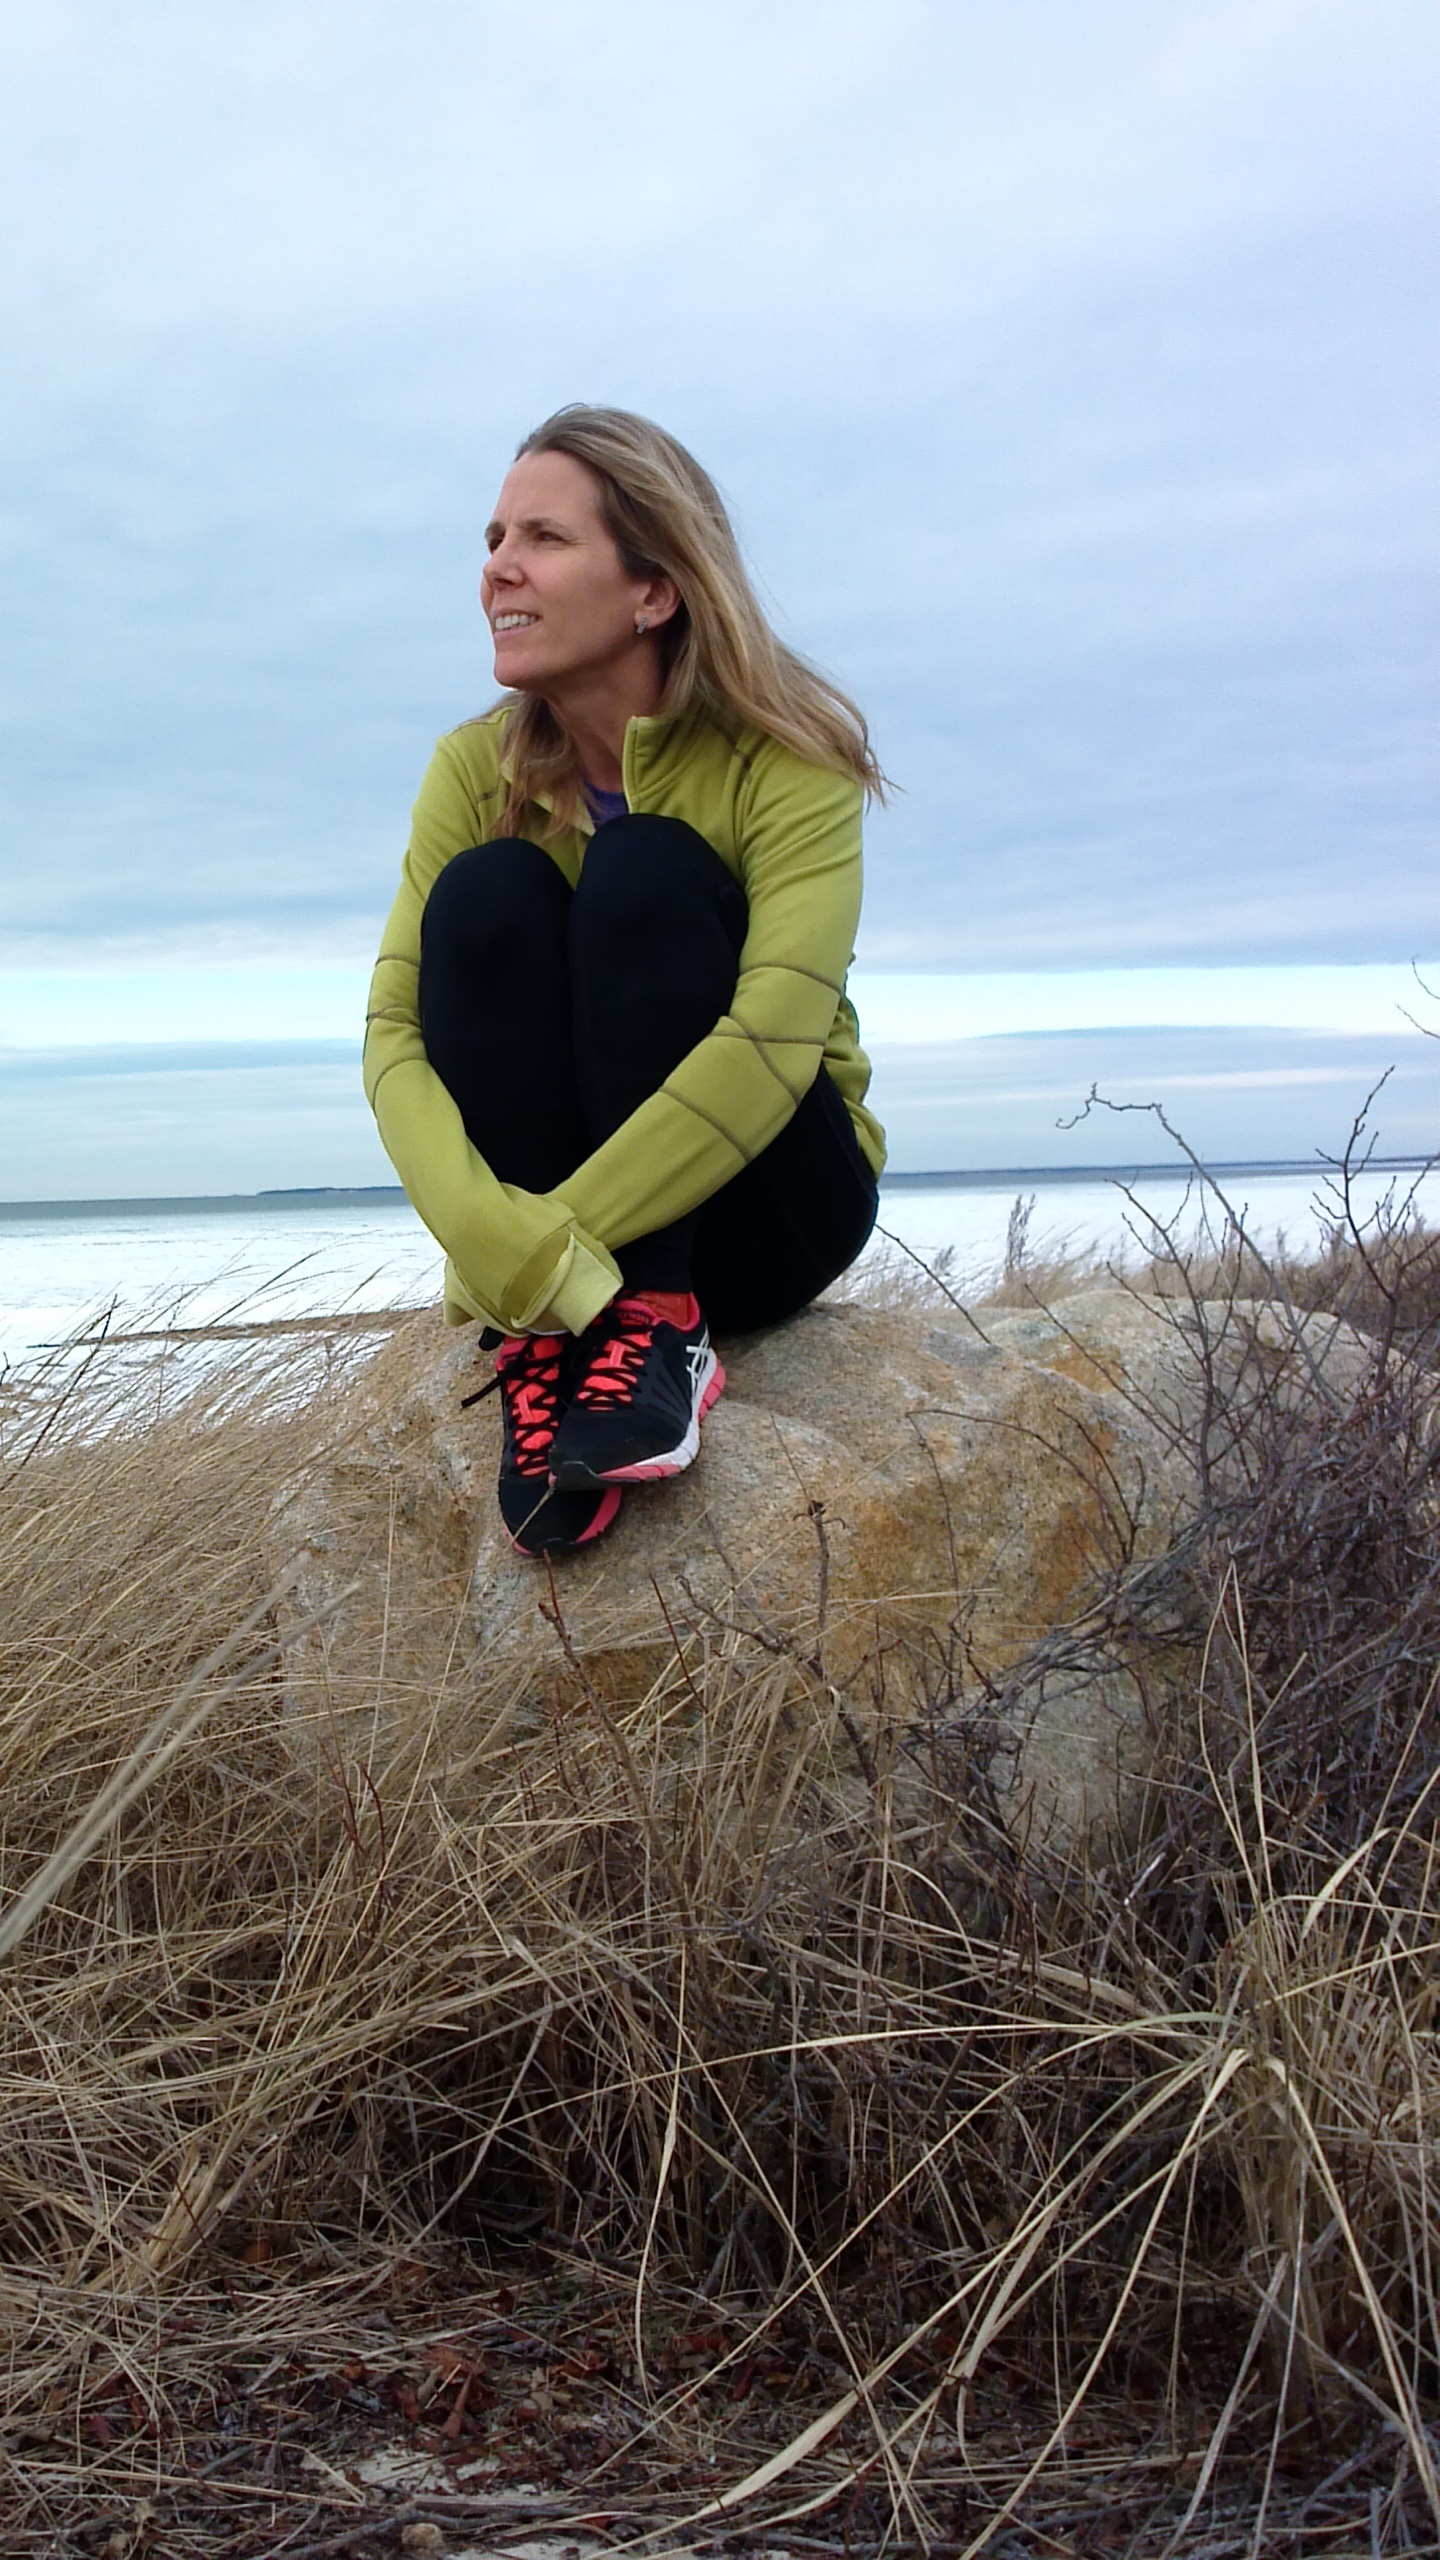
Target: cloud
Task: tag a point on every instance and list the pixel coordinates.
(1236, 1096)
(1068, 371)
(207, 1117)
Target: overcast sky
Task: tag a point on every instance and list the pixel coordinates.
(1069, 369)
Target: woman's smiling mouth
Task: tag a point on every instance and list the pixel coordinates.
(504, 622)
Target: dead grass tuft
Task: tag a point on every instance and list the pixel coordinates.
(858, 2161)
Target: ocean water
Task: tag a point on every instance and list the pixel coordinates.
(66, 1269)
(63, 1268)
(1121, 1222)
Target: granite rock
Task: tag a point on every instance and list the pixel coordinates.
(903, 1504)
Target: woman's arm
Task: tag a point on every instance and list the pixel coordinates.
(513, 1256)
(734, 1092)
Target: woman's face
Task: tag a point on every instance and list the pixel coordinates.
(559, 601)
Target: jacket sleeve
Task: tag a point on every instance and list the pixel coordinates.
(512, 1256)
(799, 837)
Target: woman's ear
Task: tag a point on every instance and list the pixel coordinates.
(658, 601)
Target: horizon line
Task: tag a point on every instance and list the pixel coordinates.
(960, 1178)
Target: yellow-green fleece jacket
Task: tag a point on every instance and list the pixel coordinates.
(790, 833)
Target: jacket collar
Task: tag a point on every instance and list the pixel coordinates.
(647, 740)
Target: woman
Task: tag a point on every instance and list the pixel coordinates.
(608, 1044)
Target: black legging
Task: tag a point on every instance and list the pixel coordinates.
(550, 1015)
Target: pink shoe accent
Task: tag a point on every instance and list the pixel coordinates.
(603, 1517)
(605, 1510)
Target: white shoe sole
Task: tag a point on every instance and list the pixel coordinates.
(709, 1384)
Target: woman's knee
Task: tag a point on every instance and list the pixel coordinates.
(642, 874)
(494, 895)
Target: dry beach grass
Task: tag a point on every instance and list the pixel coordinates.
(709, 2122)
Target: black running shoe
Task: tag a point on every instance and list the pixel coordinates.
(640, 1389)
(530, 1378)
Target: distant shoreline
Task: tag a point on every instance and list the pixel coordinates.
(381, 1195)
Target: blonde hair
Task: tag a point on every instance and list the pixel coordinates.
(719, 655)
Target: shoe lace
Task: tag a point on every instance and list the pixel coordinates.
(528, 1382)
(609, 1377)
